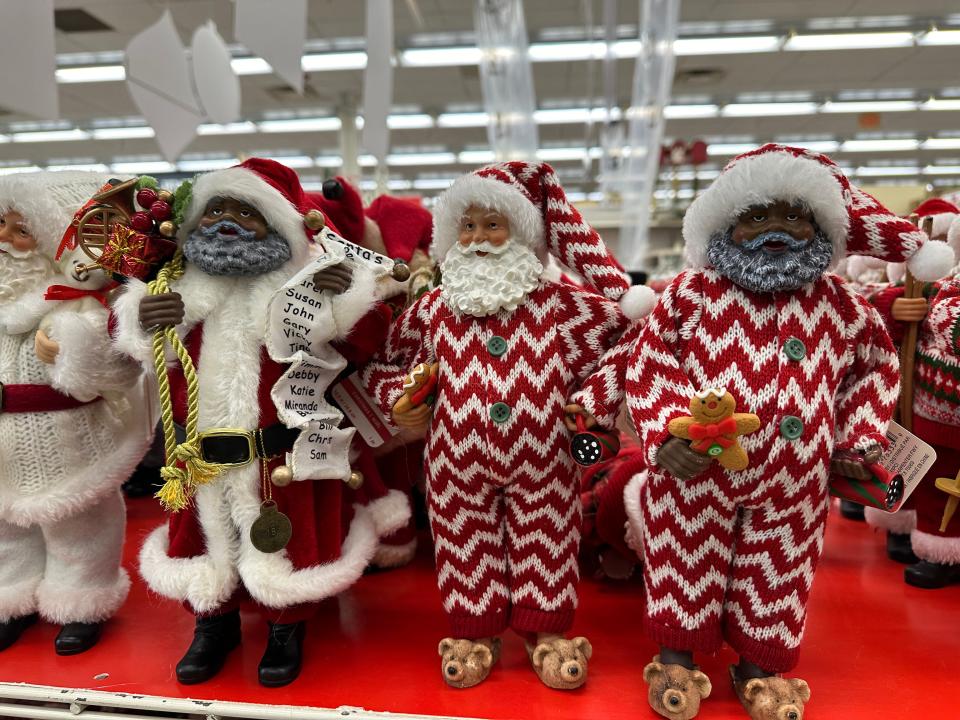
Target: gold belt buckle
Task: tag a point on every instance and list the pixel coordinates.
(230, 433)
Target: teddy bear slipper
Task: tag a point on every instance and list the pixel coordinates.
(561, 664)
(771, 698)
(676, 691)
(465, 663)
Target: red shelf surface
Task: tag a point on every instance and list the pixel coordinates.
(872, 644)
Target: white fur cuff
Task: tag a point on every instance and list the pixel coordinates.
(62, 604)
(19, 599)
(129, 338)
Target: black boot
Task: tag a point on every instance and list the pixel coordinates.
(899, 548)
(851, 510)
(75, 638)
(213, 639)
(931, 576)
(281, 660)
(11, 630)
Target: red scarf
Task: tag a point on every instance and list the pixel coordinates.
(722, 433)
(65, 292)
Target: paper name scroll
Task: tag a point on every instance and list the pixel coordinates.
(300, 328)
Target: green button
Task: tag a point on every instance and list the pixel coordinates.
(795, 349)
(791, 427)
(500, 412)
(497, 346)
(714, 450)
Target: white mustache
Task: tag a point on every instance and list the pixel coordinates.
(483, 247)
(13, 252)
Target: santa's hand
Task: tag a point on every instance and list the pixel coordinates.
(45, 348)
(676, 457)
(909, 309)
(570, 418)
(335, 278)
(160, 311)
(843, 463)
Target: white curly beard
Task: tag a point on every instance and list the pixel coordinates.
(20, 274)
(482, 286)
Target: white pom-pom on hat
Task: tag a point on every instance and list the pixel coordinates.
(932, 261)
(638, 301)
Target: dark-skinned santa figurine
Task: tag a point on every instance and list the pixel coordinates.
(73, 421)
(397, 228)
(730, 550)
(263, 523)
(488, 360)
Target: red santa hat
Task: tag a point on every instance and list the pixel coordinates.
(270, 187)
(405, 225)
(530, 195)
(942, 211)
(341, 202)
(855, 222)
(47, 201)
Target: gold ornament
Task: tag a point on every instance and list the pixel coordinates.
(314, 219)
(165, 196)
(168, 228)
(356, 480)
(282, 476)
(271, 531)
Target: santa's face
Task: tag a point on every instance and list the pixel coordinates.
(486, 270)
(483, 226)
(233, 238)
(15, 237)
(772, 248)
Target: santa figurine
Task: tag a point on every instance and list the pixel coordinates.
(495, 351)
(243, 237)
(914, 536)
(73, 421)
(729, 554)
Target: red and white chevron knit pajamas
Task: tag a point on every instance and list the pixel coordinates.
(731, 555)
(501, 488)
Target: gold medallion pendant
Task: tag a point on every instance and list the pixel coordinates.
(271, 531)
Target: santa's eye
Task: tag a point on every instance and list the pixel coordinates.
(793, 217)
(216, 211)
(3, 222)
(492, 226)
(245, 213)
(758, 218)
(468, 226)
(23, 231)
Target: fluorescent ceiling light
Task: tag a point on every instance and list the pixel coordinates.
(91, 73)
(18, 169)
(886, 171)
(322, 62)
(430, 158)
(432, 183)
(849, 41)
(886, 145)
(122, 133)
(206, 164)
(564, 51)
(869, 106)
(292, 161)
(942, 144)
(87, 167)
(767, 109)
(561, 154)
(399, 184)
(941, 104)
(295, 125)
(328, 161)
(683, 112)
(142, 167)
(367, 160)
(237, 128)
(250, 66)
(476, 157)
(559, 116)
(722, 149)
(942, 170)
(940, 37)
(440, 57)
(51, 136)
(822, 146)
(725, 45)
(409, 121)
(464, 119)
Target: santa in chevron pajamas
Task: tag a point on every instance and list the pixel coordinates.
(730, 555)
(508, 347)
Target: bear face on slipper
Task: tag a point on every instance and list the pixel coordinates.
(675, 691)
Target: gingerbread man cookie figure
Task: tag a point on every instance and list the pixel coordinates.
(714, 426)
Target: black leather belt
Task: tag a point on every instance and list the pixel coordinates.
(233, 446)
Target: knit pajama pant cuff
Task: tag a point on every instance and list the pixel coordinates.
(534, 620)
(478, 626)
(772, 658)
(706, 639)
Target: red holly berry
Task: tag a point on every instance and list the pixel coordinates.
(141, 222)
(146, 197)
(161, 210)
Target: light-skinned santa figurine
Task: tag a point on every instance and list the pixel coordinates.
(488, 359)
(914, 534)
(73, 422)
(257, 531)
(730, 552)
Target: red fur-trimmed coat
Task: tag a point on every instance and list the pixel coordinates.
(205, 554)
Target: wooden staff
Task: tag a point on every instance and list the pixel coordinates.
(908, 348)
